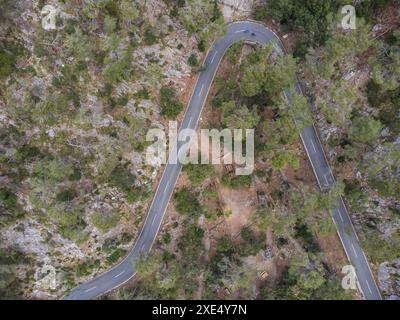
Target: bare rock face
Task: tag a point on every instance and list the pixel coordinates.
(389, 279)
(236, 9)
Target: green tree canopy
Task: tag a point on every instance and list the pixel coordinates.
(79, 45)
(186, 203)
(239, 117)
(263, 218)
(365, 130)
(170, 106)
(204, 18)
(299, 110)
(197, 173)
(260, 75)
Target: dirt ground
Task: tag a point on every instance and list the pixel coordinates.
(334, 252)
(241, 203)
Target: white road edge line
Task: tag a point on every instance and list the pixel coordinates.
(240, 31)
(90, 289)
(309, 157)
(119, 274)
(351, 223)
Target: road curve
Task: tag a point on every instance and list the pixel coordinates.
(254, 32)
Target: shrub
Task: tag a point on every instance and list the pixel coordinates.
(136, 194)
(110, 23)
(75, 175)
(83, 269)
(234, 52)
(10, 258)
(143, 94)
(236, 182)
(309, 16)
(166, 238)
(123, 100)
(201, 46)
(112, 8)
(116, 70)
(374, 94)
(8, 10)
(225, 246)
(197, 173)
(149, 37)
(380, 250)
(186, 203)
(365, 130)
(7, 64)
(67, 195)
(122, 178)
(116, 255)
(11, 210)
(27, 152)
(71, 222)
(301, 49)
(368, 8)
(126, 238)
(52, 170)
(173, 13)
(170, 106)
(253, 243)
(193, 60)
(104, 221)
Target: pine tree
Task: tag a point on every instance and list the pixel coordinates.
(365, 130)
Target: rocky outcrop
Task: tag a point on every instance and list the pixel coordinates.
(389, 279)
(237, 9)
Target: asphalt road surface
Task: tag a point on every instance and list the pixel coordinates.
(124, 271)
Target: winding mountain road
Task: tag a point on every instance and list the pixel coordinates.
(124, 271)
